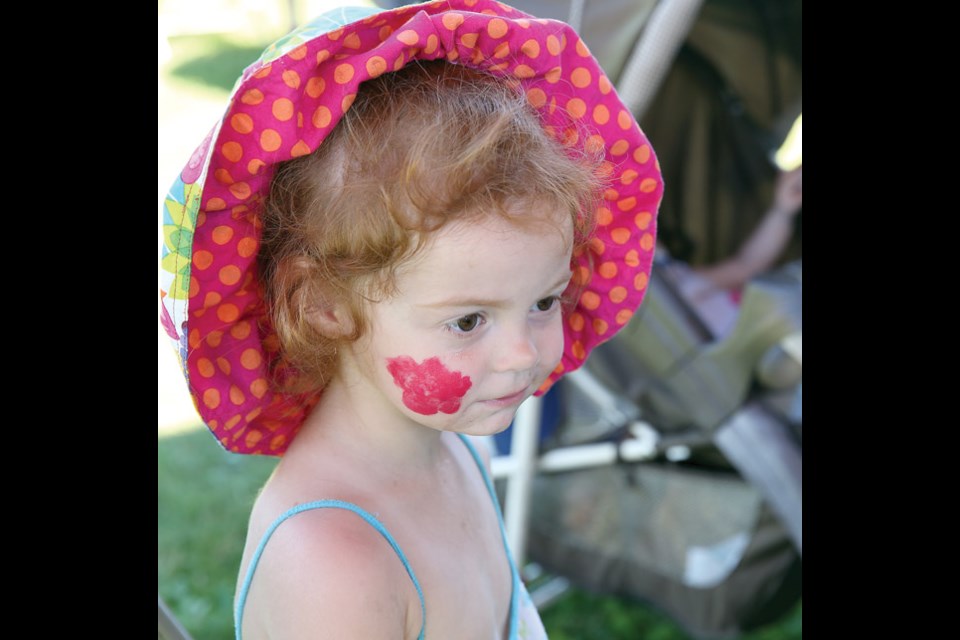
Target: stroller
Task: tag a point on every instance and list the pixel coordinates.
(669, 468)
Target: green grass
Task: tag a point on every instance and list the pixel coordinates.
(580, 615)
(210, 63)
(204, 496)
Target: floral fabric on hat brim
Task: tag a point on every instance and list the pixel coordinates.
(285, 104)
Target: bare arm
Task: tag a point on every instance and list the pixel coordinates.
(760, 250)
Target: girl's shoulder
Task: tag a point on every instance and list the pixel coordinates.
(324, 564)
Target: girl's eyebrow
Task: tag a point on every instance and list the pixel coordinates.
(464, 301)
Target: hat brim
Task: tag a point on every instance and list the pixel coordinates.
(285, 104)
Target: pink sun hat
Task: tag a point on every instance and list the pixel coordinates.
(286, 103)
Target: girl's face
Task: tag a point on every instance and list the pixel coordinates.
(475, 327)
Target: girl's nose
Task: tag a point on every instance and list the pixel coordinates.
(518, 350)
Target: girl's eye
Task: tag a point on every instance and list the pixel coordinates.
(547, 303)
(468, 323)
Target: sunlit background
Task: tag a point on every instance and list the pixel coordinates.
(186, 110)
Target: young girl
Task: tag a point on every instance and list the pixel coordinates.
(479, 216)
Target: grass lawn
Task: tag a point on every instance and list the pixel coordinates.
(204, 494)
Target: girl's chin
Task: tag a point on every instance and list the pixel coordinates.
(489, 425)
(485, 418)
(493, 424)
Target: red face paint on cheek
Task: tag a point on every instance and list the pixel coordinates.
(428, 387)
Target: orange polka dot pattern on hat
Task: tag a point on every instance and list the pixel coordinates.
(287, 103)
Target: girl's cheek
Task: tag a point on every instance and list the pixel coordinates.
(552, 349)
(428, 387)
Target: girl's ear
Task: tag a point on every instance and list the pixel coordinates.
(311, 300)
(330, 317)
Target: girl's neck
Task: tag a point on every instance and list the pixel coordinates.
(366, 430)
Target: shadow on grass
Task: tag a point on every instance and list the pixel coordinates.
(583, 615)
(211, 61)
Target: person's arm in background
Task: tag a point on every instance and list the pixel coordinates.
(762, 248)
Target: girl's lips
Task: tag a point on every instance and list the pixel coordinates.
(513, 398)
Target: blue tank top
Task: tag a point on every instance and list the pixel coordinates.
(525, 623)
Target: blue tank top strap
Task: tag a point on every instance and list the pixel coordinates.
(515, 575)
(328, 504)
